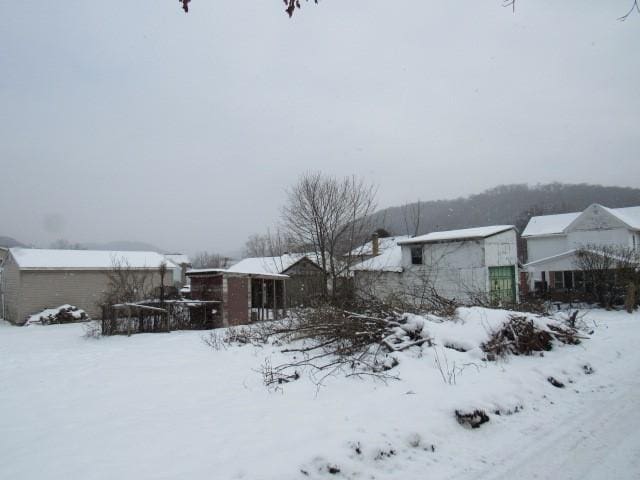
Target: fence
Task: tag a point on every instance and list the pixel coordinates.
(155, 316)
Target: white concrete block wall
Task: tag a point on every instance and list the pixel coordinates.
(11, 286)
(40, 289)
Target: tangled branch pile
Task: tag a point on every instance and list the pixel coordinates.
(329, 339)
(521, 335)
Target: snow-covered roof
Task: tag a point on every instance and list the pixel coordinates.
(454, 235)
(383, 244)
(556, 224)
(549, 224)
(50, 259)
(629, 215)
(178, 258)
(268, 265)
(196, 271)
(390, 260)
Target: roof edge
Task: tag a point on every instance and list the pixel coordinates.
(459, 239)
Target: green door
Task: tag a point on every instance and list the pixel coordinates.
(503, 284)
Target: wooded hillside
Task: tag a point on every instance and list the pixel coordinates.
(505, 204)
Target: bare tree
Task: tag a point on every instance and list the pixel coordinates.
(330, 216)
(634, 7)
(411, 218)
(63, 244)
(292, 5)
(512, 5)
(126, 284)
(274, 243)
(257, 245)
(210, 260)
(608, 270)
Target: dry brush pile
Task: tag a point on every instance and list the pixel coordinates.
(522, 335)
(327, 340)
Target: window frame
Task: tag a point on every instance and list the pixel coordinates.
(417, 255)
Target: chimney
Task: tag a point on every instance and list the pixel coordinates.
(375, 244)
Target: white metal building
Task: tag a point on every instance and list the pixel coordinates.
(464, 265)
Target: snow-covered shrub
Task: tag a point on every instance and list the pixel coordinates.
(92, 329)
(62, 314)
(256, 334)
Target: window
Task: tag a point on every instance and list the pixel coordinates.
(578, 280)
(568, 280)
(416, 255)
(558, 280)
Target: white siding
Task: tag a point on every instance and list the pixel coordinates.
(501, 250)
(617, 236)
(456, 269)
(382, 285)
(595, 217)
(543, 247)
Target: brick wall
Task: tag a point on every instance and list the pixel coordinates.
(236, 305)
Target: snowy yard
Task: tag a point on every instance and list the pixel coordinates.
(167, 406)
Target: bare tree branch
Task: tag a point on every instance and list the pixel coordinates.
(634, 6)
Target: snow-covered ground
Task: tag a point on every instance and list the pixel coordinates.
(167, 406)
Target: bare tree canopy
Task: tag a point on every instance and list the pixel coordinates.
(609, 270)
(329, 215)
(210, 260)
(271, 244)
(126, 284)
(62, 244)
(292, 5)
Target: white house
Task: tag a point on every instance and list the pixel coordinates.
(552, 242)
(464, 265)
(182, 263)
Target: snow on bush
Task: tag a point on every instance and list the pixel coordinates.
(62, 314)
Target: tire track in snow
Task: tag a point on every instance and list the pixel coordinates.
(601, 440)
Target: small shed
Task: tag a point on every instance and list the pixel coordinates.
(243, 297)
(306, 279)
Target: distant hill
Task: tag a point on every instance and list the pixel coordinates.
(10, 242)
(123, 246)
(117, 245)
(505, 204)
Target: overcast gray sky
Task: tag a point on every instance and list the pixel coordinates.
(131, 120)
